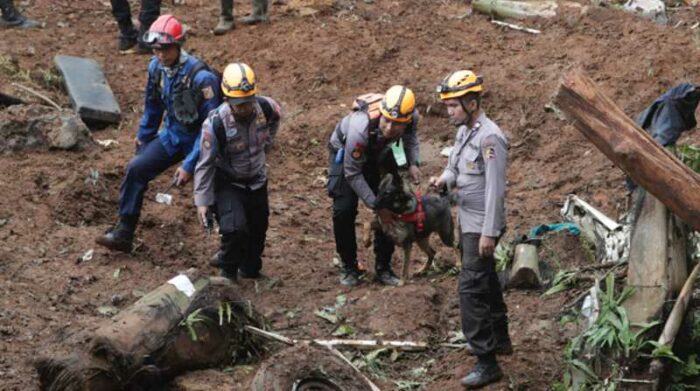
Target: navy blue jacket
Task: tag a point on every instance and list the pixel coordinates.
(175, 136)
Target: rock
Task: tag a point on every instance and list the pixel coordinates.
(71, 134)
(650, 9)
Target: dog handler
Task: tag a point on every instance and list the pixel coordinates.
(354, 147)
(477, 166)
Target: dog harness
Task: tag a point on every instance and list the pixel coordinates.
(416, 217)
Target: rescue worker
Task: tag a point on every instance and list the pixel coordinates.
(231, 175)
(226, 22)
(182, 90)
(477, 167)
(11, 17)
(129, 37)
(355, 146)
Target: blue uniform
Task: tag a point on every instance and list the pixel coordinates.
(175, 141)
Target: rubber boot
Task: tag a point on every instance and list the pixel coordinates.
(121, 237)
(485, 372)
(259, 14)
(226, 22)
(13, 18)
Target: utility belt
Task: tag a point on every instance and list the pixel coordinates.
(225, 177)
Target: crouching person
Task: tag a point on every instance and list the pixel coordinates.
(230, 178)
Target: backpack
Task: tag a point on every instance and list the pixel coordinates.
(219, 129)
(186, 98)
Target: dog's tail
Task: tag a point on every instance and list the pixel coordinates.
(446, 230)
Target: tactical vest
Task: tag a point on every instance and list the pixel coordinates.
(262, 121)
(186, 97)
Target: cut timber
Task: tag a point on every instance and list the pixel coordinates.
(629, 147)
(516, 9)
(91, 96)
(657, 263)
(190, 322)
(526, 270)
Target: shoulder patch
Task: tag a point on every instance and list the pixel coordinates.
(208, 92)
(358, 151)
(489, 152)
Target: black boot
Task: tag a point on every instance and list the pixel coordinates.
(485, 372)
(13, 18)
(350, 276)
(121, 237)
(231, 275)
(387, 277)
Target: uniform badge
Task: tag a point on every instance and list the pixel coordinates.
(358, 151)
(206, 144)
(490, 152)
(239, 146)
(208, 92)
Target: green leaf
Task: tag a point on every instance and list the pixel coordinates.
(343, 331)
(327, 314)
(340, 301)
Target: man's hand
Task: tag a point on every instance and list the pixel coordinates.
(202, 214)
(387, 217)
(435, 183)
(414, 173)
(487, 245)
(182, 176)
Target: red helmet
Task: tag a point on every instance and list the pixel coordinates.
(166, 30)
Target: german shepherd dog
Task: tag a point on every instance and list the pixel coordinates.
(395, 194)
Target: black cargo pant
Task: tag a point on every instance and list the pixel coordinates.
(344, 215)
(243, 216)
(484, 313)
(150, 10)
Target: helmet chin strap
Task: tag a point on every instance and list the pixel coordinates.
(470, 115)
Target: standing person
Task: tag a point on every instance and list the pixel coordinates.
(354, 149)
(477, 167)
(128, 35)
(182, 90)
(11, 17)
(227, 23)
(231, 175)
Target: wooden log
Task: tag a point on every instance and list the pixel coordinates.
(657, 265)
(526, 269)
(516, 9)
(190, 322)
(629, 147)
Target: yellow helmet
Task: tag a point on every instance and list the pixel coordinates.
(398, 104)
(460, 83)
(238, 82)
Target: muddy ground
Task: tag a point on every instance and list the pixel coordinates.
(314, 57)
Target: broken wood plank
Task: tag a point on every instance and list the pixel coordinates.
(342, 343)
(516, 27)
(629, 147)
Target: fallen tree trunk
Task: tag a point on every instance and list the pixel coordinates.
(629, 147)
(190, 322)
